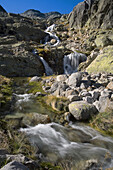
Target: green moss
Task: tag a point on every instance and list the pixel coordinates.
(5, 92)
(18, 143)
(44, 103)
(57, 103)
(49, 166)
(36, 87)
(103, 122)
(43, 52)
(103, 62)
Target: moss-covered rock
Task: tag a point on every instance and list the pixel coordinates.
(33, 119)
(82, 110)
(35, 87)
(103, 41)
(103, 62)
(5, 92)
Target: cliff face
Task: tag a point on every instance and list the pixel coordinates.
(92, 13)
(2, 10)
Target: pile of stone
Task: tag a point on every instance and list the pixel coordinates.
(88, 94)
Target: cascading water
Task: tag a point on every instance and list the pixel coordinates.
(72, 145)
(76, 144)
(48, 69)
(72, 61)
(50, 30)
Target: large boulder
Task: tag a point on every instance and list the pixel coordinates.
(16, 60)
(94, 13)
(74, 79)
(82, 110)
(28, 32)
(14, 165)
(103, 62)
(104, 40)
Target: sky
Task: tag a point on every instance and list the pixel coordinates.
(20, 6)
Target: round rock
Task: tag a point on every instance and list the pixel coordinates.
(82, 110)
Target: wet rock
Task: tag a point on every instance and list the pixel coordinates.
(14, 165)
(82, 110)
(69, 117)
(92, 164)
(33, 119)
(36, 79)
(3, 151)
(39, 94)
(29, 163)
(53, 41)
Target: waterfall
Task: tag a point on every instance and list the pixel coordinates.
(72, 61)
(48, 69)
(50, 30)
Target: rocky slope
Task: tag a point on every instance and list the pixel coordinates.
(35, 14)
(82, 96)
(92, 13)
(78, 31)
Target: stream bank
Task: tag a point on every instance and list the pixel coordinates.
(52, 137)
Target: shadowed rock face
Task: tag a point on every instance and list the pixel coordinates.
(2, 10)
(94, 13)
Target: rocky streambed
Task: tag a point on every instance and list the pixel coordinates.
(48, 120)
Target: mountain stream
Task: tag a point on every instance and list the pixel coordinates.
(74, 144)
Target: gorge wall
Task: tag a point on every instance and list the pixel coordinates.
(92, 13)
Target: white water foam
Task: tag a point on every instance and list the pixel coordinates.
(48, 69)
(56, 139)
(50, 31)
(72, 61)
(23, 100)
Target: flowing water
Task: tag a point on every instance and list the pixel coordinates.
(48, 69)
(72, 61)
(52, 35)
(73, 144)
(24, 103)
(77, 143)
